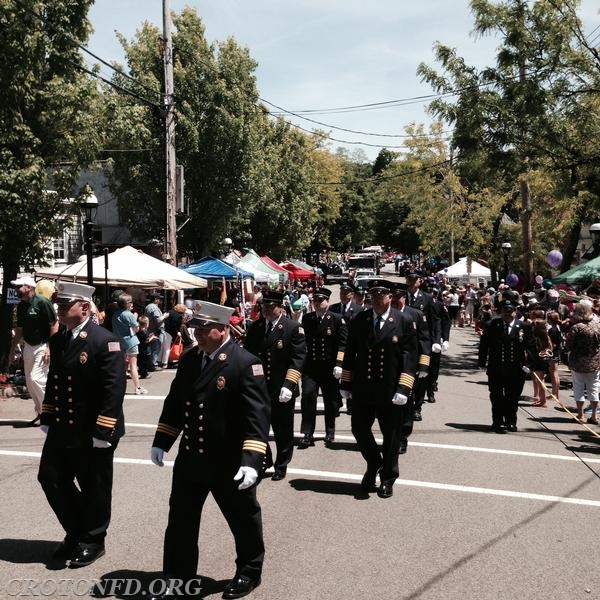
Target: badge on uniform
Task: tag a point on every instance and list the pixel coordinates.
(83, 334)
(390, 319)
(329, 331)
(222, 357)
(114, 347)
(83, 358)
(220, 382)
(257, 370)
(280, 345)
(395, 339)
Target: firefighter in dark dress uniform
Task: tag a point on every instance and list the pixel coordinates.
(219, 402)
(378, 372)
(502, 348)
(423, 362)
(444, 343)
(325, 341)
(346, 307)
(279, 342)
(83, 418)
(423, 301)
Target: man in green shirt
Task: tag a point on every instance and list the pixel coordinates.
(36, 322)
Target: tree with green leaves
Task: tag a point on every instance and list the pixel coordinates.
(47, 130)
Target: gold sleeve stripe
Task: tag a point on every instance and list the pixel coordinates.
(340, 356)
(255, 446)
(106, 421)
(46, 408)
(164, 428)
(346, 375)
(293, 375)
(424, 360)
(407, 380)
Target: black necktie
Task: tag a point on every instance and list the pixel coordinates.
(206, 362)
(507, 328)
(378, 323)
(269, 328)
(343, 309)
(68, 338)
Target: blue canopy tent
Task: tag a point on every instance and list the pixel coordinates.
(214, 268)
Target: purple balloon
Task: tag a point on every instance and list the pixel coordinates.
(554, 258)
(512, 280)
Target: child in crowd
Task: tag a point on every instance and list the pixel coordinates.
(144, 337)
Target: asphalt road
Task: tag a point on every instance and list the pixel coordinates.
(475, 515)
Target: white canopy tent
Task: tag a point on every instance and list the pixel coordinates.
(459, 271)
(128, 267)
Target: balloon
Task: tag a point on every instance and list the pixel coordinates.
(512, 280)
(554, 258)
(539, 279)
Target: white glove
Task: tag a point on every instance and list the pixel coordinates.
(436, 348)
(526, 370)
(445, 346)
(346, 394)
(157, 455)
(100, 443)
(337, 372)
(399, 399)
(285, 395)
(44, 429)
(248, 475)
(422, 374)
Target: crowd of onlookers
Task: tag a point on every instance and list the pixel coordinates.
(565, 328)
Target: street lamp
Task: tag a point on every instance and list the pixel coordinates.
(89, 206)
(506, 248)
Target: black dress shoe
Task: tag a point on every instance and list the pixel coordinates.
(403, 448)
(34, 422)
(65, 549)
(368, 480)
(511, 427)
(306, 441)
(386, 489)
(329, 437)
(417, 415)
(85, 554)
(431, 399)
(239, 587)
(498, 429)
(279, 474)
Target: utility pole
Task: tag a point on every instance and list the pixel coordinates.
(169, 108)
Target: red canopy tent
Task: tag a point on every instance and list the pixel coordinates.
(297, 272)
(274, 265)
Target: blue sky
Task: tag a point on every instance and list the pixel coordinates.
(319, 54)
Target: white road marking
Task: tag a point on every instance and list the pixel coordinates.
(352, 477)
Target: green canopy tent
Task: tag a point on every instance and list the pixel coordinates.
(582, 274)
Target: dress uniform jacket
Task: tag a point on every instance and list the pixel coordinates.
(325, 342)
(282, 351)
(377, 365)
(85, 389)
(222, 409)
(347, 313)
(504, 354)
(425, 303)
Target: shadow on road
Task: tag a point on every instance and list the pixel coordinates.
(30, 551)
(469, 426)
(137, 585)
(321, 486)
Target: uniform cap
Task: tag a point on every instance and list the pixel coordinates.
(347, 285)
(206, 313)
(400, 289)
(28, 280)
(321, 292)
(380, 285)
(414, 275)
(273, 296)
(68, 291)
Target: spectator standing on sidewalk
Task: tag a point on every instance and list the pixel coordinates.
(36, 323)
(157, 327)
(583, 345)
(125, 327)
